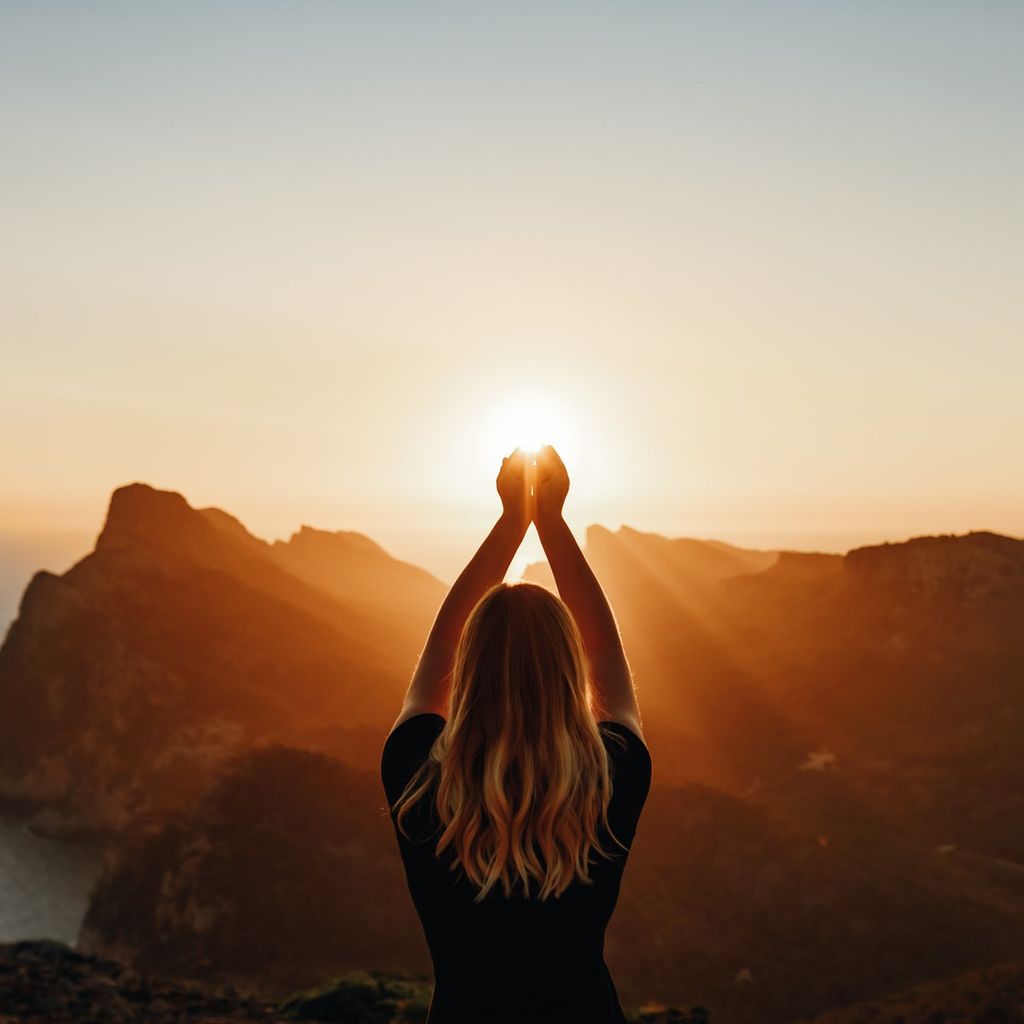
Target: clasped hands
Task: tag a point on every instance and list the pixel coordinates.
(532, 485)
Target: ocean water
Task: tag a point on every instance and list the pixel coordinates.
(44, 883)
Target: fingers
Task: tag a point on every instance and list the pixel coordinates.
(550, 462)
(513, 465)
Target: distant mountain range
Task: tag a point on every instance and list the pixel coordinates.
(839, 783)
(182, 640)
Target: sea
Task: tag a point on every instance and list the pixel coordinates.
(45, 883)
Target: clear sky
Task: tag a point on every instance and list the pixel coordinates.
(756, 267)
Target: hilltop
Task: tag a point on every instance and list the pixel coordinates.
(183, 640)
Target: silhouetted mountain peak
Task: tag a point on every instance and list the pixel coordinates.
(234, 528)
(43, 590)
(353, 566)
(805, 565)
(970, 565)
(541, 574)
(676, 559)
(205, 640)
(149, 523)
(139, 513)
(331, 542)
(598, 534)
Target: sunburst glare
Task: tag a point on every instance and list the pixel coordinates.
(525, 420)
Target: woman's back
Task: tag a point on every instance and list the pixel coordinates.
(518, 759)
(513, 958)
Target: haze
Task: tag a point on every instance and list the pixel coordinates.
(758, 264)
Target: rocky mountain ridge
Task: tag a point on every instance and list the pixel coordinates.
(181, 641)
(838, 775)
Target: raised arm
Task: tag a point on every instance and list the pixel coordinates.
(428, 690)
(579, 588)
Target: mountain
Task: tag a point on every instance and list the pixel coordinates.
(684, 564)
(896, 670)
(685, 567)
(286, 872)
(182, 640)
(987, 995)
(283, 872)
(838, 780)
(540, 573)
(356, 570)
(767, 917)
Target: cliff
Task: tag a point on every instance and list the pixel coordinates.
(286, 872)
(836, 740)
(181, 641)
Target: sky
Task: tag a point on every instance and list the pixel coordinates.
(754, 268)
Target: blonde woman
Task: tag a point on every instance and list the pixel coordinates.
(515, 776)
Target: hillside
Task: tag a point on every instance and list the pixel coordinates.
(283, 872)
(988, 995)
(182, 640)
(286, 871)
(838, 779)
(887, 684)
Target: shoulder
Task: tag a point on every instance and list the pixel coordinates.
(629, 754)
(629, 763)
(412, 720)
(628, 733)
(412, 731)
(405, 749)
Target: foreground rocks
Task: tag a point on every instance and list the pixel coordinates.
(46, 982)
(50, 983)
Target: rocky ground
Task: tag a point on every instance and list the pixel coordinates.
(45, 982)
(49, 983)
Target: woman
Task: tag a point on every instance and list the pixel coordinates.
(516, 774)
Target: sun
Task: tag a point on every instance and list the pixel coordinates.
(526, 420)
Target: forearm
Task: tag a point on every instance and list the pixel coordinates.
(610, 673)
(431, 680)
(486, 568)
(580, 589)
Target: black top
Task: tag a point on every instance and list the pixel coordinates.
(515, 959)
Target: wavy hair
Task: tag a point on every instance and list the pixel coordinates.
(520, 775)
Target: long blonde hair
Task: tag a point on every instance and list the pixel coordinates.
(522, 775)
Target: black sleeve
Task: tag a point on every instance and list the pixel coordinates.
(405, 750)
(631, 779)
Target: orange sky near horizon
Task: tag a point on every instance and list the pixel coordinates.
(334, 264)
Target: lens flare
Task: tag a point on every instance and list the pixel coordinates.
(526, 421)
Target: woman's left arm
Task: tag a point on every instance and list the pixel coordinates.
(428, 691)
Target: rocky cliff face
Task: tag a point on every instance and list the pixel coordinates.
(353, 568)
(971, 568)
(182, 641)
(987, 995)
(285, 871)
(684, 566)
(836, 741)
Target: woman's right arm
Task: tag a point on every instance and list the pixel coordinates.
(581, 591)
